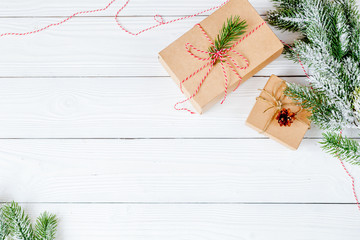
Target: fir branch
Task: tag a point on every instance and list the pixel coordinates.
(15, 224)
(4, 229)
(317, 103)
(304, 95)
(230, 32)
(344, 148)
(45, 227)
(288, 16)
(286, 3)
(284, 19)
(18, 222)
(353, 18)
(330, 45)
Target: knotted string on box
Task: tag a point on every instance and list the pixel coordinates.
(278, 104)
(221, 56)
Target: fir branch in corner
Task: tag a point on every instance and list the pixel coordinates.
(18, 222)
(4, 229)
(230, 32)
(342, 147)
(45, 227)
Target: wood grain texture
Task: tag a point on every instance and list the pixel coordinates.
(211, 222)
(135, 8)
(165, 174)
(97, 47)
(183, 170)
(120, 108)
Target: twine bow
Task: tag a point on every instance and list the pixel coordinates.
(218, 56)
(277, 104)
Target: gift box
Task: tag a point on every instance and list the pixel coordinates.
(258, 47)
(277, 116)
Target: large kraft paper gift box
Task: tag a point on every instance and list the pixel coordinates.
(260, 48)
(263, 115)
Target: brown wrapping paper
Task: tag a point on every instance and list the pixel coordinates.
(259, 117)
(260, 48)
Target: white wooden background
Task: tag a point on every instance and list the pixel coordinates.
(88, 132)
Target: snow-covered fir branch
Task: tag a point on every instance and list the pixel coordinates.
(330, 45)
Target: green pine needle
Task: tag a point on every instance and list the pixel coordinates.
(4, 229)
(45, 227)
(15, 224)
(18, 222)
(230, 32)
(342, 147)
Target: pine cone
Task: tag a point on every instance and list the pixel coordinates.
(285, 117)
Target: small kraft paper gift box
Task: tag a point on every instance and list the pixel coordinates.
(207, 78)
(277, 116)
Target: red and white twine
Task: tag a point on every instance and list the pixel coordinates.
(220, 55)
(160, 20)
(341, 161)
(59, 23)
(350, 176)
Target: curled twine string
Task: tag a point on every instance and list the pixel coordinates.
(163, 22)
(160, 20)
(222, 56)
(277, 104)
(59, 23)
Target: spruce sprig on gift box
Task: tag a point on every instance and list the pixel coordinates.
(230, 32)
(330, 45)
(16, 224)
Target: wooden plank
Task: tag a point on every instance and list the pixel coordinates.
(135, 7)
(212, 222)
(119, 108)
(97, 47)
(183, 170)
